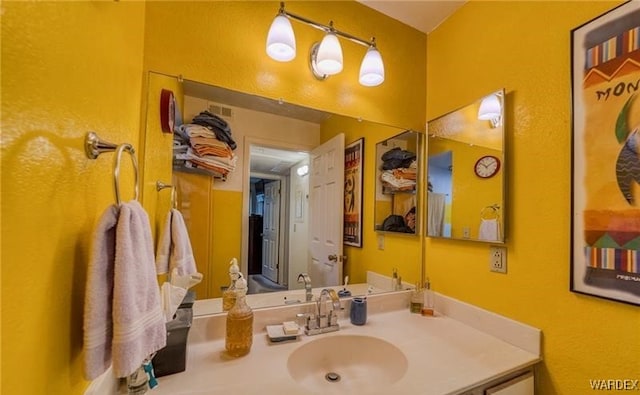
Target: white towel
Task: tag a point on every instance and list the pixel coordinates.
(435, 221)
(138, 323)
(174, 247)
(175, 256)
(489, 230)
(98, 321)
(123, 321)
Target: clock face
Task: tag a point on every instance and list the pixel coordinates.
(487, 166)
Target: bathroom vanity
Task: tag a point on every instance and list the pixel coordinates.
(461, 350)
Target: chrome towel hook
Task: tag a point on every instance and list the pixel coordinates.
(94, 145)
(174, 192)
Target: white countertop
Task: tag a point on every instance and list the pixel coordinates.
(445, 356)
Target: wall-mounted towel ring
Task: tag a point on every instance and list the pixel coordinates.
(94, 146)
(490, 212)
(116, 170)
(174, 192)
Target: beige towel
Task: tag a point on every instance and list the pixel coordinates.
(489, 230)
(138, 323)
(175, 256)
(174, 247)
(436, 203)
(98, 320)
(123, 319)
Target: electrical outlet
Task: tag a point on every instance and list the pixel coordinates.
(498, 259)
(466, 232)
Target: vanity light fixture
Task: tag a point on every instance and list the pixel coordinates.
(281, 42)
(328, 58)
(491, 110)
(325, 58)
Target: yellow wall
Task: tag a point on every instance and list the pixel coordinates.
(223, 43)
(67, 68)
(525, 47)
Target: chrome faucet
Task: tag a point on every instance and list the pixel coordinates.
(307, 285)
(335, 300)
(323, 321)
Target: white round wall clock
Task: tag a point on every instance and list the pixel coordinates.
(487, 166)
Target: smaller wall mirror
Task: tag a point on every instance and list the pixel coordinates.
(397, 184)
(466, 172)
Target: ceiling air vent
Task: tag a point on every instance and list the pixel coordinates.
(219, 110)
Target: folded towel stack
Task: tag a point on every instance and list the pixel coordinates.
(206, 144)
(399, 170)
(123, 320)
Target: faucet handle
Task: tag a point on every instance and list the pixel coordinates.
(333, 318)
(307, 320)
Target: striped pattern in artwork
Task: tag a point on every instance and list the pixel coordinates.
(614, 47)
(613, 259)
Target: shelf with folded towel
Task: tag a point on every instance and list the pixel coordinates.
(195, 170)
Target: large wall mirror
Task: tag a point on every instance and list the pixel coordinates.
(262, 209)
(466, 172)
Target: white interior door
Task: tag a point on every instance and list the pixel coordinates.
(326, 199)
(271, 231)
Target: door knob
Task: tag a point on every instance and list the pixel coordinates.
(334, 258)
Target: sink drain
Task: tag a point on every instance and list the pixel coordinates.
(332, 377)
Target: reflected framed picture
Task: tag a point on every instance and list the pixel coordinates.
(605, 65)
(353, 168)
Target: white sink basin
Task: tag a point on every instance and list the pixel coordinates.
(346, 364)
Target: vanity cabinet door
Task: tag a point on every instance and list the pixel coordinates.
(521, 385)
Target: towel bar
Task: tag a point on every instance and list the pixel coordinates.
(485, 214)
(94, 146)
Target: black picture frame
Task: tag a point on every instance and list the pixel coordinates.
(353, 176)
(605, 185)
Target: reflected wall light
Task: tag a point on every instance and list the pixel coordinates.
(325, 58)
(303, 170)
(491, 110)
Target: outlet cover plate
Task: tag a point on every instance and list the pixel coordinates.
(498, 259)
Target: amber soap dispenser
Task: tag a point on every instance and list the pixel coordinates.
(239, 335)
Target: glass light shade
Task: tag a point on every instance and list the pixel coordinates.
(303, 170)
(372, 68)
(281, 42)
(489, 108)
(329, 57)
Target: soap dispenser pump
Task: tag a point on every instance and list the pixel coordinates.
(229, 294)
(239, 335)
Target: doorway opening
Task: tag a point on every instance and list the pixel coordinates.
(277, 214)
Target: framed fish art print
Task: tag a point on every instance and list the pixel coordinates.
(605, 65)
